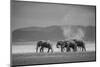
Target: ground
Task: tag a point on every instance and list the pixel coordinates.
(57, 57)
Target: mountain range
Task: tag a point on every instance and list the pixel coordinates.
(54, 33)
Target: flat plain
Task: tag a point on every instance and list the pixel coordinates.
(49, 58)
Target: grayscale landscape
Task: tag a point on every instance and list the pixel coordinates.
(24, 45)
(39, 27)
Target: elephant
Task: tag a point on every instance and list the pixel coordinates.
(80, 44)
(60, 44)
(66, 44)
(71, 45)
(42, 45)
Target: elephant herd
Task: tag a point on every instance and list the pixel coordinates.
(69, 45)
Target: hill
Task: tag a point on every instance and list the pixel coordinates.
(53, 33)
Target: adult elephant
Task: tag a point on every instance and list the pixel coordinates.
(66, 44)
(80, 44)
(60, 44)
(71, 45)
(42, 45)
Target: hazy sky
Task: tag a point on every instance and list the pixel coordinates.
(27, 14)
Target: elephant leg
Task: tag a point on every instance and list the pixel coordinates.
(83, 49)
(61, 49)
(51, 50)
(36, 49)
(48, 50)
(67, 49)
(41, 49)
(80, 48)
(75, 49)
